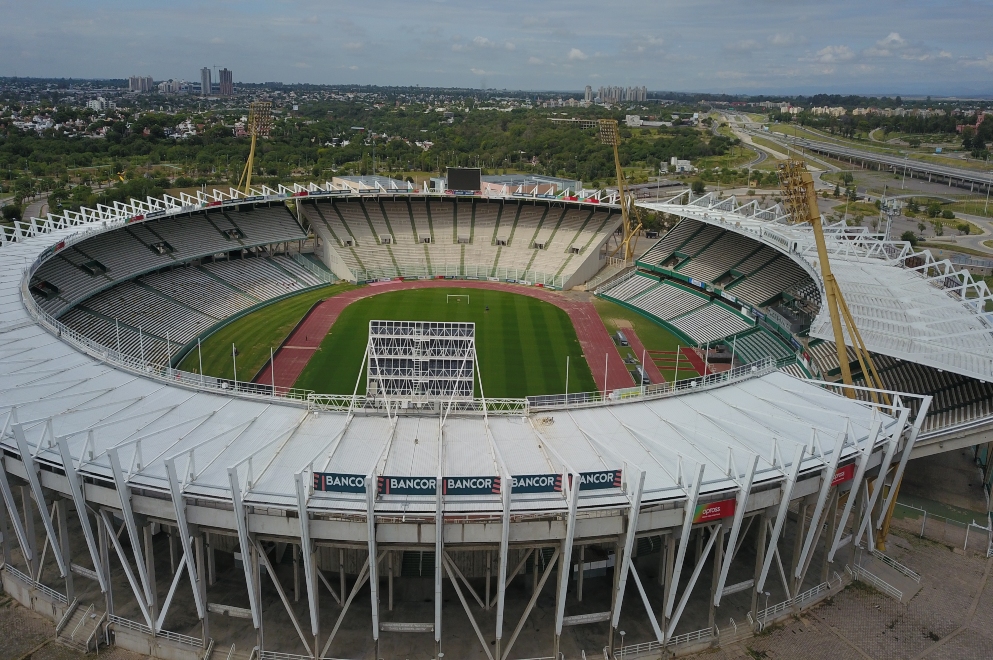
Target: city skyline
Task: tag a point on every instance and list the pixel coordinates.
(911, 48)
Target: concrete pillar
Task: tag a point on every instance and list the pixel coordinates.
(341, 573)
(198, 550)
(104, 543)
(296, 573)
(581, 573)
(26, 503)
(6, 536)
(172, 550)
(670, 566)
(760, 543)
(801, 524)
(253, 557)
(489, 570)
(389, 559)
(716, 577)
(62, 509)
(618, 560)
(211, 561)
(153, 606)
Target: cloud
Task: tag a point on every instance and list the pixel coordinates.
(892, 40)
(217, 40)
(479, 72)
(301, 65)
(535, 60)
(482, 42)
(834, 54)
(353, 45)
(510, 46)
(744, 46)
(983, 63)
(576, 54)
(785, 39)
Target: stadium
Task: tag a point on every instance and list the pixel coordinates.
(414, 501)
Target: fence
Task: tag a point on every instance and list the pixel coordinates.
(941, 528)
(466, 271)
(135, 626)
(320, 273)
(52, 594)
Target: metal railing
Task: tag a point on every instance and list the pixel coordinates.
(64, 621)
(34, 584)
(525, 276)
(129, 624)
(79, 624)
(862, 575)
(895, 565)
(321, 274)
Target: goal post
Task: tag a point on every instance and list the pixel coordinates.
(459, 297)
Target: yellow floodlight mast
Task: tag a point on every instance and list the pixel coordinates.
(259, 125)
(610, 136)
(800, 199)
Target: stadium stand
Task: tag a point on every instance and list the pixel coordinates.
(709, 323)
(96, 263)
(756, 344)
(438, 235)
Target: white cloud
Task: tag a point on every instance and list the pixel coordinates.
(482, 42)
(353, 45)
(535, 60)
(892, 40)
(510, 46)
(576, 54)
(983, 63)
(217, 40)
(478, 72)
(783, 39)
(834, 54)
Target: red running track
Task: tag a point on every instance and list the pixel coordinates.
(300, 346)
(648, 363)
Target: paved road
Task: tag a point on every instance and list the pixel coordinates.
(36, 209)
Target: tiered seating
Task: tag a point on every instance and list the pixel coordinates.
(379, 224)
(710, 323)
(154, 314)
(668, 244)
(753, 346)
(756, 260)
(403, 231)
(825, 356)
(700, 240)
(718, 258)
(200, 291)
(767, 282)
(256, 277)
(355, 224)
(630, 288)
(106, 332)
(667, 301)
(182, 302)
(126, 252)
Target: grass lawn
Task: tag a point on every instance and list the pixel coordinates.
(651, 334)
(254, 334)
(951, 247)
(521, 342)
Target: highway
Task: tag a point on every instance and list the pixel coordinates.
(973, 180)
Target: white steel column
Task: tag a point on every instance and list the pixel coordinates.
(306, 549)
(739, 514)
(246, 546)
(784, 507)
(370, 513)
(632, 529)
(31, 468)
(830, 468)
(124, 493)
(565, 562)
(688, 511)
(179, 505)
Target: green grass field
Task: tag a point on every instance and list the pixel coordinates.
(254, 334)
(521, 342)
(652, 335)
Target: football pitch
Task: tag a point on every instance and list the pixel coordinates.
(521, 342)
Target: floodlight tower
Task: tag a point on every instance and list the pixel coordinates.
(259, 125)
(610, 136)
(800, 199)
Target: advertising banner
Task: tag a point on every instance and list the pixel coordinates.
(600, 480)
(470, 485)
(846, 473)
(536, 483)
(336, 482)
(714, 511)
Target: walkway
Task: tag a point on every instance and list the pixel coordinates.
(300, 346)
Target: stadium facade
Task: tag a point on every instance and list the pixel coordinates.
(113, 457)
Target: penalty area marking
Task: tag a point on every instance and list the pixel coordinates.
(458, 297)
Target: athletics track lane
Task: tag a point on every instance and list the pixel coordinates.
(647, 362)
(300, 346)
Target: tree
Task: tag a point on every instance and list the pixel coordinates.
(698, 187)
(11, 212)
(933, 209)
(837, 191)
(909, 237)
(947, 214)
(921, 226)
(963, 228)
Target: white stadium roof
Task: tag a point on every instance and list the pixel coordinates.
(906, 305)
(53, 386)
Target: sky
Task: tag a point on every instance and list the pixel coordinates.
(909, 47)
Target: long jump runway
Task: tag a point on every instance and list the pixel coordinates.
(300, 346)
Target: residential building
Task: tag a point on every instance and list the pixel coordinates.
(140, 84)
(227, 82)
(205, 81)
